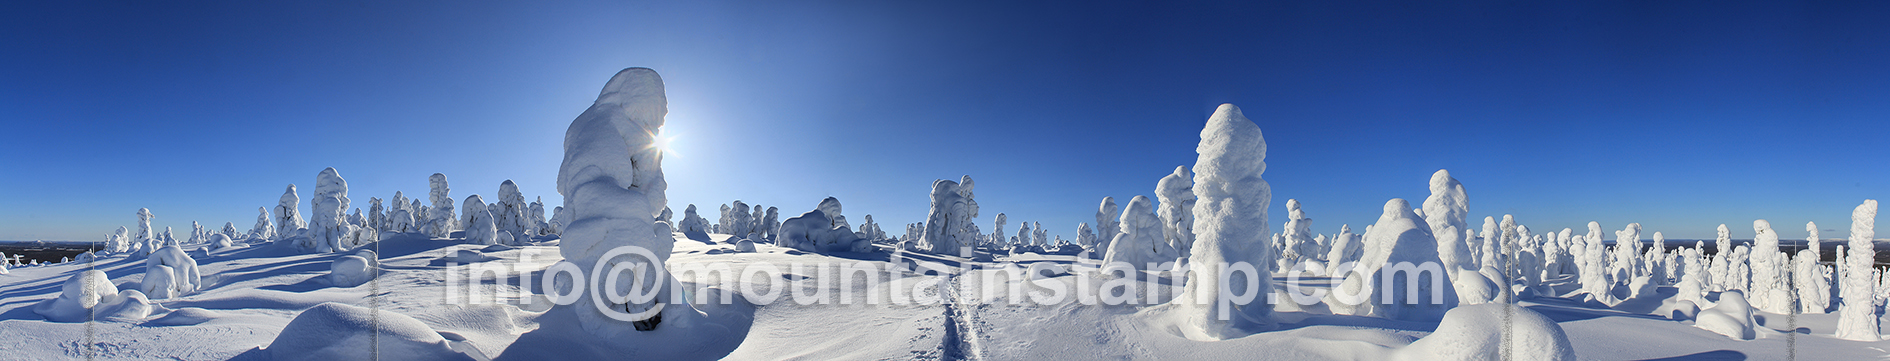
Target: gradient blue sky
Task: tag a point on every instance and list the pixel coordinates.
(1677, 115)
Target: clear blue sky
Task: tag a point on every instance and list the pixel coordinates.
(1677, 115)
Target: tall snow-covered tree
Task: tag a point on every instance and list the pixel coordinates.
(1446, 211)
(440, 220)
(1857, 311)
(1230, 224)
(288, 214)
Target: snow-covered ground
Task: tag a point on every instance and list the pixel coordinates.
(251, 294)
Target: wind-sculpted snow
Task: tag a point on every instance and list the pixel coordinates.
(1230, 224)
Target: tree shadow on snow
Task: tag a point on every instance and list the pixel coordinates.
(1720, 355)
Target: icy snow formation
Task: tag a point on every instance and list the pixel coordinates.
(443, 221)
(91, 296)
(948, 224)
(288, 218)
(1176, 194)
(1139, 242)
(1857, 314)
(169, 272)
(334, 331)
(1446, 211)
(1230, 224)
(1499, 331)
(1398, 247)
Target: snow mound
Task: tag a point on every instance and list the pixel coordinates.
(814, 232)
(89, 296)
(1478, 332)
(745, 246)
(333, 331)
(351, 270)
(1731, 316)
(168, 273)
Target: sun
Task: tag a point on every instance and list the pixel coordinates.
(663, 143)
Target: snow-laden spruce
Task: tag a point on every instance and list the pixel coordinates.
(1446, 211)
(510, 215)
(821, 230)
(949, 222)
(1230, 225)
(145, 242)
(1722, 261)
(480, 228)
(1106, 214)
(1770, 291)
(327, 232)
(1139, 243)
(1813, 284)
(1297, 237)
(443, 221)
(1857, 313)
(1176, 194)
(1399, 275)
(613, 186)
(289, 222)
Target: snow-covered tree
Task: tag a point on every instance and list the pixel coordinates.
(1106, 226)
(1770, 291)
(1399, 245)
(535, 218)
(1084, 236)
(1230, 223)
(377, 216)
(1176, 194)
(737, 220)
(1346, 247)
(692, 222)
(1446, 211)
(948, 222)
(480, 229)
(1722, 261)
(288, 216)
(1857, 311)
(327, 231)
(997, 231)
(770, 223)
(1139, 242)
(169, 272)
(263, 230)
(510, 215)
(1594, 270)
(145, 238)
(1297, 237)
(1814, 286)
(441, 221)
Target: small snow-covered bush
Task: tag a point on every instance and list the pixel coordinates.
(333, 331)
(90, 295)
(1731, 316)
(168, 273)
(351, 270)
(1484, 332)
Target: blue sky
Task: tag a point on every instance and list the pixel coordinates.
(1677, 115)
